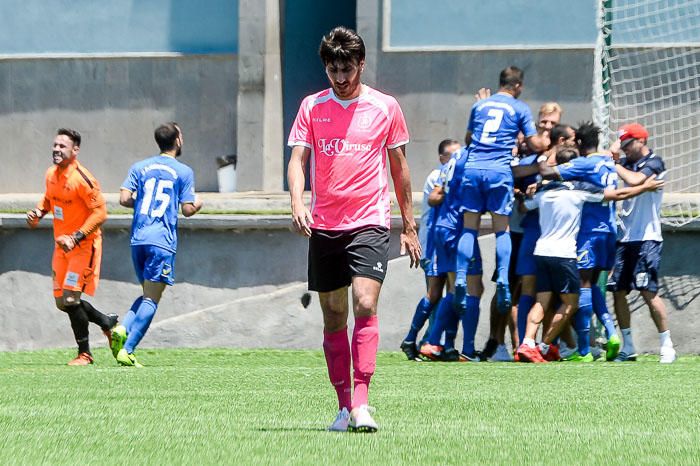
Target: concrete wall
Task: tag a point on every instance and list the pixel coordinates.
(115, 103)
(240, 287)
(435, 89)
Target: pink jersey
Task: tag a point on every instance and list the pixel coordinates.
(349, 141)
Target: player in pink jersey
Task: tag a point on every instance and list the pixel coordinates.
(347, 132)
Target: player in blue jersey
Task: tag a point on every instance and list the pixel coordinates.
(595, 241)
(447, 229)
(487, 184)
(161, 186)
(435, 281)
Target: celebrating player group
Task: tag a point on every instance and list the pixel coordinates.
(548, 189)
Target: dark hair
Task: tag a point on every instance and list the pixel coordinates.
(444, 143)
(511, 77)
(166, 135)
(565, 155)
(587, 136)
(559, 131)
(341, 44)
(72, 134)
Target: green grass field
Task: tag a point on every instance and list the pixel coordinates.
(271, 407)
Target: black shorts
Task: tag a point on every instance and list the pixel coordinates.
(337, 256)
(557, 275)
(636, 266)
(516, 238)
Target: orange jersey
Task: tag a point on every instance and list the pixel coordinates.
(72, 195)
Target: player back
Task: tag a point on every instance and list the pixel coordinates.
(161, 184)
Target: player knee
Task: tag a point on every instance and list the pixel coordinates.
(366, 306)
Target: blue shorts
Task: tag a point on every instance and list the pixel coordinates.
(430, 266)
(526, 255)
(446, 241)
(595, 251)
(636, 266)
(487, 191)
(153, 263)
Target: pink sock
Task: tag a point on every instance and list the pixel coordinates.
(365, 341)
(337, 350)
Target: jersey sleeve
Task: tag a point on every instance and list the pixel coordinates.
(89, 190)
(533, 203)
(654, 166)
(44, 203)
(577, 169)
(589, 196)
(187, 192)
(398, 131)
(131, 183)
(526, 123)
(301, 133)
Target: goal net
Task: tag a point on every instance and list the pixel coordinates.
(648, 71)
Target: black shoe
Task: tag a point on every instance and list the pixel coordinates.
(490, 348)
(452, 355)
(113, 321)
(410, 350)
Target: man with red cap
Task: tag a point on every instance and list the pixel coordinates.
(638, 254)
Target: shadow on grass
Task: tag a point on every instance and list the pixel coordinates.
(290, 429)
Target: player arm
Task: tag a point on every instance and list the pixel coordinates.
(401, 176)
(126, 198)
(546, 171)
(538, 142)
(436, 196)
(296, 179)
(650, 184)
(191, 208)
(36, 214)
(631, 178)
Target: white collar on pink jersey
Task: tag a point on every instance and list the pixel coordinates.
(347, 103)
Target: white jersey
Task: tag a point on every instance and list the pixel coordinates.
(640, 217)
(560, 219)
(430, 182)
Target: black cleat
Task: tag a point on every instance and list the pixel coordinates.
(410, 350)
(490, 348)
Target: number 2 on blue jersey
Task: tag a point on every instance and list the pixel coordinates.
(161, 196)
(491, 126)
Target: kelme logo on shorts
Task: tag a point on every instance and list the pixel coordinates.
(378, 267)
(340, 147)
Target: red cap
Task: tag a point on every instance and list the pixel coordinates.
(631, 131)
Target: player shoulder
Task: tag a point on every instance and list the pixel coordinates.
(389, 100)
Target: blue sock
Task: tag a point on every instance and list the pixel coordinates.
(465, 253)
(601, 311)
(470, 321)
(452, 327)
(419, 317)
(582, 321)
(525, 303)
(503, 249)
(442, 318)
(131, 314)
(143, 319)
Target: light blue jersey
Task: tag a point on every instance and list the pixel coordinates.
(449, 213)
(161, 184)
(597, 169)
(495, 123)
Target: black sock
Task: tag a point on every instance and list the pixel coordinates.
(95, 316)
(79, 323)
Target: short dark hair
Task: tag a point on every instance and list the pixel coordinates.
(511, 77)
(166, 135)
(444, 143)
(72, 134)
(566, 155)
(587, 136)
(559, 131)
(341, 44)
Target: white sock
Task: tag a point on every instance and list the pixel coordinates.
(627, 342)
(544, 348)
(665, 339)
(529, 342)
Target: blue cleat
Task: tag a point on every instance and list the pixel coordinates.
(503, 299)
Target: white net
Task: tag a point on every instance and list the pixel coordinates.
(648, 71)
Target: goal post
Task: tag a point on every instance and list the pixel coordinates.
(647, 70)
